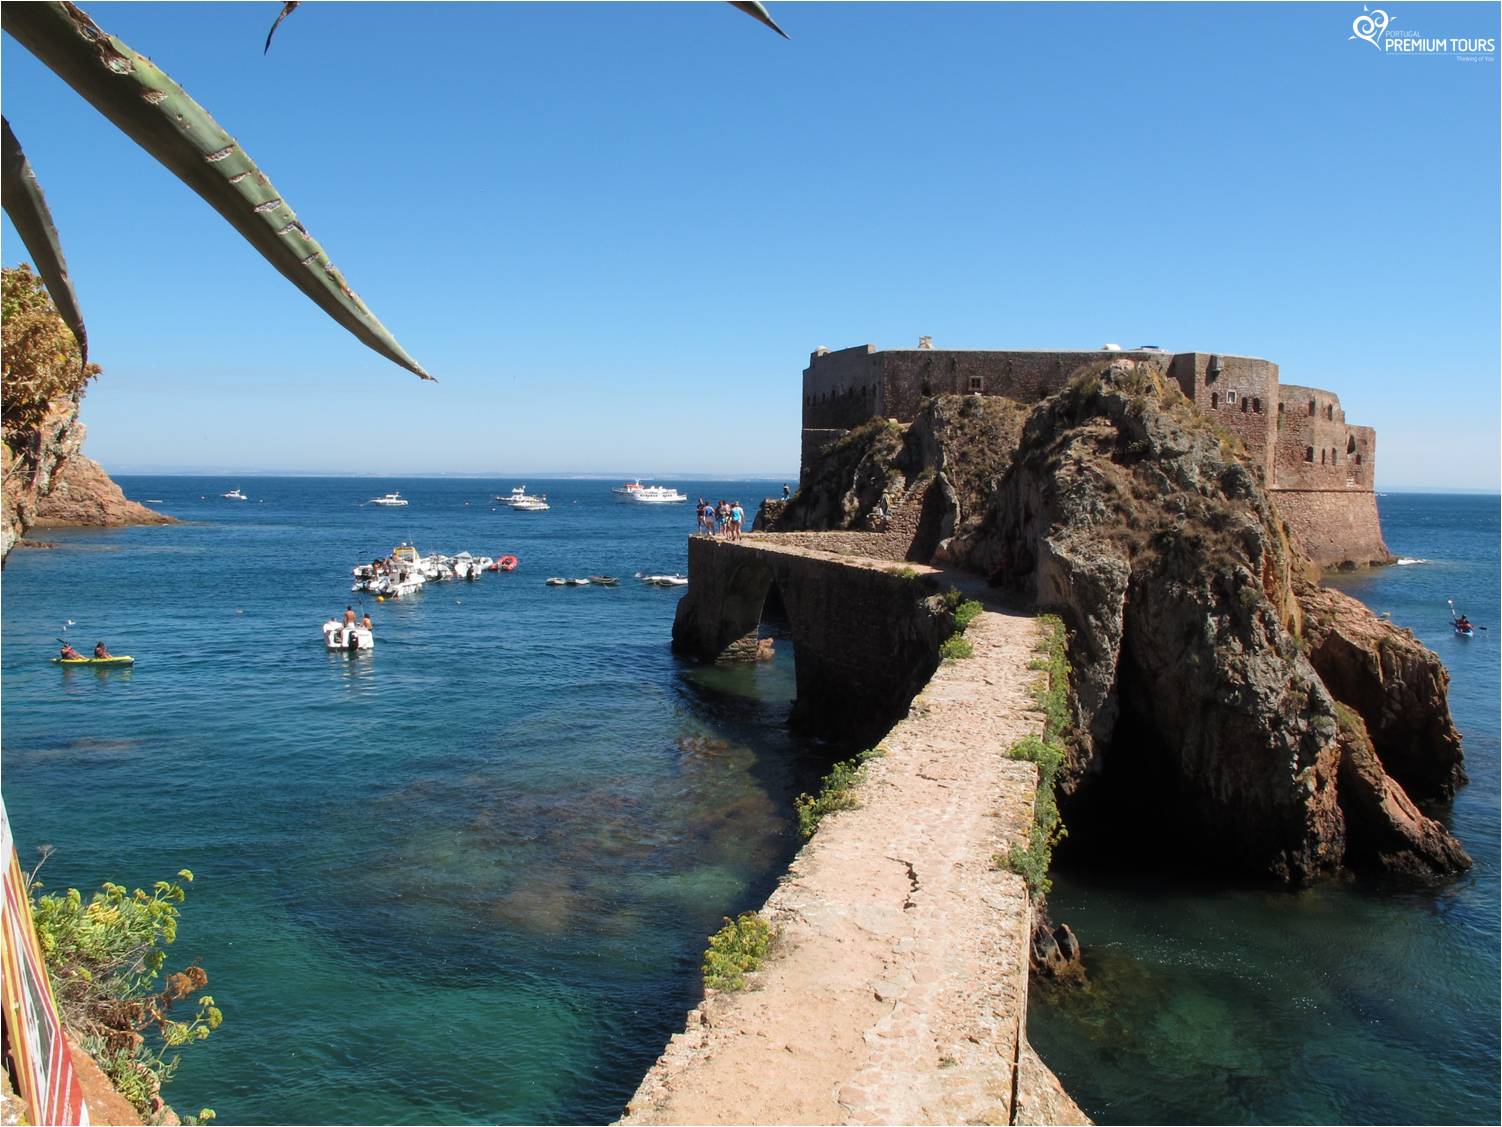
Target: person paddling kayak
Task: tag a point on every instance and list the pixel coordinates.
(68, 653)
(100, 651)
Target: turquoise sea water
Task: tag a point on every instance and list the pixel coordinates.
(468, 878)
(465, 878)
(1356, 1001)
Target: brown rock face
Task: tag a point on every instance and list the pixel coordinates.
(1205, 665)
(31, 460)
(1396, 685)
(83, 494)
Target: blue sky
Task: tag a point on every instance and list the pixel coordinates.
(616, 231)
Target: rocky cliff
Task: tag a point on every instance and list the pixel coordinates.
(32, 456)
(83, 494)
(1243, 717)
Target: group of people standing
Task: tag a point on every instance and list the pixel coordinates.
(724, 519)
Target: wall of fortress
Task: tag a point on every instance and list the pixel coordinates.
(1319, 469)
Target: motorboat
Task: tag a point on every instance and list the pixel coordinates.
(658, 495)
(517, 497)
(351, 638)
(531, 505)
(505, 563)
(234, 495)
(389, 499)
(466, 566)
(664, 580)
(555, 581)
(629, 488)
(604, 580)
(401, 573)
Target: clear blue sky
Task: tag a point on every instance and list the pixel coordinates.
(615, 232)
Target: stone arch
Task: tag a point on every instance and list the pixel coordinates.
(1350, 444)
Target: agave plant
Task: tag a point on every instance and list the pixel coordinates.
(155, 112)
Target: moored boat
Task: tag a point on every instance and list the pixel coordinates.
(234, 495)
(630, 487)
(658, 495)
(389, 499)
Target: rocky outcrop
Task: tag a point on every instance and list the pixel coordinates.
(32, 457)
(1190, 611)
(83, 494)
(1396, 685)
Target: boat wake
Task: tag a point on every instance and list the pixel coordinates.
(1405, 560)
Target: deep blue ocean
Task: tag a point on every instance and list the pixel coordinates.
(468, 877)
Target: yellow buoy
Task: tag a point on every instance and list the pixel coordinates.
(380, 598)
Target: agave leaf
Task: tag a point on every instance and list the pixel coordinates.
(758, 13)
(287, 9)
(28, 210)
(155, 112)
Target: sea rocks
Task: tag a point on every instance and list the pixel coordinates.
(83, 494)
(1054, 952)
(1396, 685)
(1206, 666)
(1130, 516)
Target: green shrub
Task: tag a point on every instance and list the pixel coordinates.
(1049, 752)
(966, 613)
(836, 793)
(955, 647)
(906, 573)
(735, 951)
(104, 958)
(1031, 863)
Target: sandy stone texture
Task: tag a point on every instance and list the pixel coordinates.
(896, 990)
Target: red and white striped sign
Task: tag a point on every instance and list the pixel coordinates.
(45, 1080)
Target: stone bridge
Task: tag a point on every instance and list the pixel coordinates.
(865, 633)
(895, 990)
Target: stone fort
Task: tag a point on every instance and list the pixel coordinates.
(1317, 467)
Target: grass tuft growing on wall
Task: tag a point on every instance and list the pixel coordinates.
(836, 793)
(735, 951)
(1048, 751)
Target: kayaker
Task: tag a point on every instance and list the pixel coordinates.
(100, 651)
(1462, 623)
(68, 653)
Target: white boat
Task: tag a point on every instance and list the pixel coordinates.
(531, 505)
(337, 636)
(517, 496)
(664, 580)
(388, 499)
(467, 566)
(234, 495)
(658, 495)
(629, 488)
(401, 573)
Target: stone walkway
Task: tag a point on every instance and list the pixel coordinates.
(896, 991)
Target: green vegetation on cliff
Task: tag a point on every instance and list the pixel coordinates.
(104, 958)
(39, 354)
(1048, 752)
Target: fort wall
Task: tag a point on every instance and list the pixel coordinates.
(1297, 437)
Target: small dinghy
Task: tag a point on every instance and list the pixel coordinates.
(556, 582)
(505, 563)
(337, 636)
(665, 580)
(604, 580)
(578, 582)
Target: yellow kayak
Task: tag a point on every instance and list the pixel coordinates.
(121, 660)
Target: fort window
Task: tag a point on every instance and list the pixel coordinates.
(1351, 444)
(1333, 458)
(1330, 411)
(1311, 408)
(1280, 408)
(1321, 455)
(1257, 406)
(1309, 453)
(1245, 405)
(977, 383)
(1214, 400)
(1230, 398)
(1358, 459)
